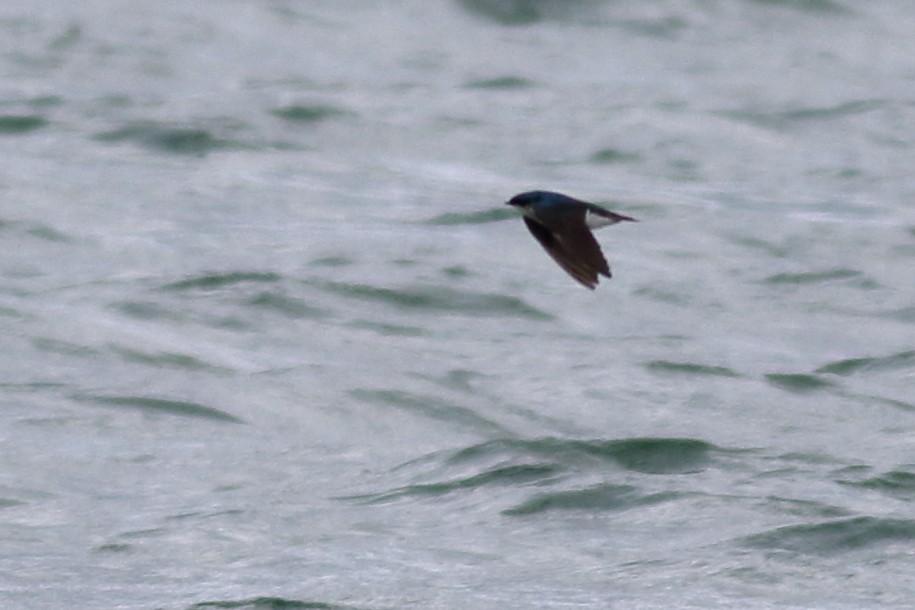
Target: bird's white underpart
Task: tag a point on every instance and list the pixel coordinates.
(596, 221)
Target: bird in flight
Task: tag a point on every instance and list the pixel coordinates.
(563, 227)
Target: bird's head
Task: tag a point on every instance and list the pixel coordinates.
(528, 199)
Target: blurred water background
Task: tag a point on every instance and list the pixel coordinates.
(271, 340)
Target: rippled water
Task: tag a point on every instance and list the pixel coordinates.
(271, 339)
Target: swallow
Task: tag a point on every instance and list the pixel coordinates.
(563, 227)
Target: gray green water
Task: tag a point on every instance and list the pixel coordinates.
(271, 340)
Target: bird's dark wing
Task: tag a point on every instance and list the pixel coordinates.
(574, 248)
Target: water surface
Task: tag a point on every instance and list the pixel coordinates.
(272, 340)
